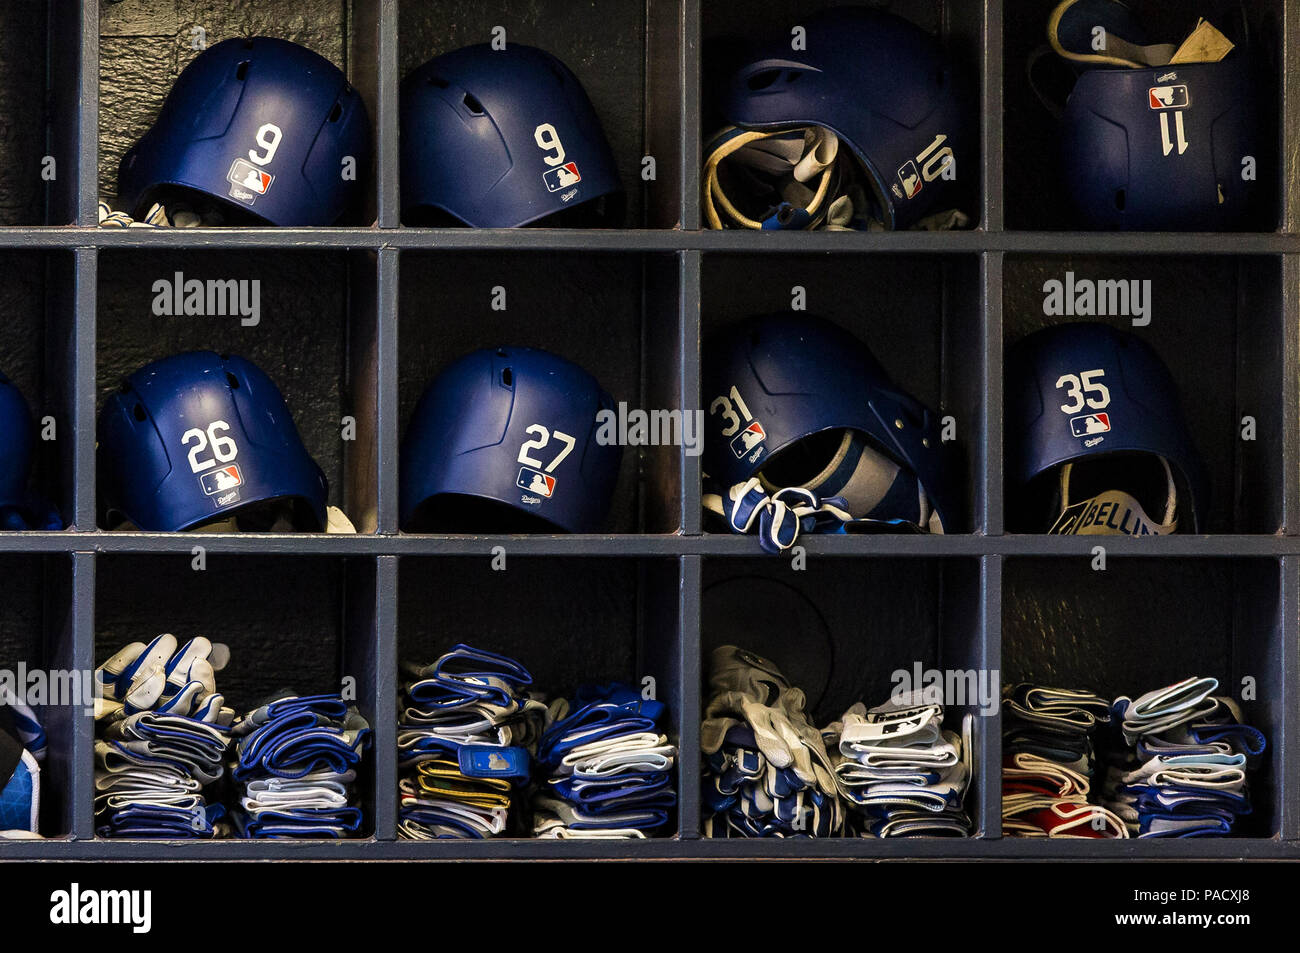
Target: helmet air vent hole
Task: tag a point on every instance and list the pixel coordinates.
(507, 377)
(1120, 198)
(764, 79)
(473, 105)
(793, 75)
(138, 412)
(336, 112)
(232, 380)
(241, 71)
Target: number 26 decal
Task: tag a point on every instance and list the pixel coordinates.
(543, 437)
(224, 449)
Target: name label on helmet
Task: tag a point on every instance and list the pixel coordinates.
(1113, 513)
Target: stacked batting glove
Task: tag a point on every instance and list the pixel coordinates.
(463, 742)
(296, 769)
(1181, 769)
(163, 737)
(767, 771)
(609, 767)
(900, 773)
(1048, 761)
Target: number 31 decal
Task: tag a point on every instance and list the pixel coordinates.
(730, 417)
(543, 438)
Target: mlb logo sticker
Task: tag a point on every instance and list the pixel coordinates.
(247, 181)
(1167, 97)
(535, 481)
(749, 438)
(910, 178)
(219, 481)
(1085, 425)
(562, 177)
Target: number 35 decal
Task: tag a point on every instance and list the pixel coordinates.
(1086, 382)
(543, 438)
(224, 449)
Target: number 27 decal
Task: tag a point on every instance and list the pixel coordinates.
(543, 437)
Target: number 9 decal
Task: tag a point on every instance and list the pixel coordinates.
(547, 140)
(268, 137)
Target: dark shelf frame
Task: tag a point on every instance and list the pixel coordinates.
(73, 250)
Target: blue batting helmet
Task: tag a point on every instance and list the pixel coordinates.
(512, 426)
(1146, 143)
(881, 84)
(192, 438)
(501, 138)
(1099, 401)
(16, 438)
(799, 402)
(262, 126)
